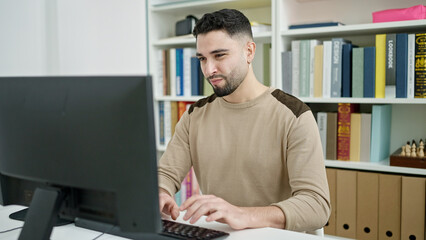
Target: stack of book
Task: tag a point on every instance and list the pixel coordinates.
(394, 67)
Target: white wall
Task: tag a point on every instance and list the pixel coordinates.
(73, 37)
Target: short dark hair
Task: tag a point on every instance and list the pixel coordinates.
(230, 20)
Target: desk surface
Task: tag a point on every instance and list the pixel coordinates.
(70, 231)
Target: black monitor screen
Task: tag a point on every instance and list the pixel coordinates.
(90, 138)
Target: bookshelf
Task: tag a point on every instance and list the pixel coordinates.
(280, 14)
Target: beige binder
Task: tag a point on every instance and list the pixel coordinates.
(346, 203)
(389, 207)
(367, 205)
(413, 208)
(330, 228)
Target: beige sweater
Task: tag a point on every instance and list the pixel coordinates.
(263, 152)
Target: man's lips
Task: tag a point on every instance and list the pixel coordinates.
(215, 81)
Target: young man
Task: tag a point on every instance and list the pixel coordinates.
(255, 150)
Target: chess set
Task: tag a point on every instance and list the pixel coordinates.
(409, 155)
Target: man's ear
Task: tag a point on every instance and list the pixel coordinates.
(251, 49)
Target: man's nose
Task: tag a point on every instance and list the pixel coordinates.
(210, 69)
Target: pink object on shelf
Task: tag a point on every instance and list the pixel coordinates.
(402, 14)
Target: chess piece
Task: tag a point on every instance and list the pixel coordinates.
(421, 149)
(403, 151)
(408, 149)
(413, 149)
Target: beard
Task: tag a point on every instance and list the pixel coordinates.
(231, 84)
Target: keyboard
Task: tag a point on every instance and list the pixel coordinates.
(186, 231)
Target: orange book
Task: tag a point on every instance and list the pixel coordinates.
(344, 111)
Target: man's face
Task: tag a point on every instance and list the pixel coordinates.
(223, 61)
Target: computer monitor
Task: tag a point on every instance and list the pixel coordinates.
(83, 148)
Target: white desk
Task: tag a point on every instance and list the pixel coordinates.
(70, 231)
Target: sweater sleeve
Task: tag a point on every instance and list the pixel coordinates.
(308, 208)
(175, 163)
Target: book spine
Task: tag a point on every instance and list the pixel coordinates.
(167, 122)
(355, 137)
(380, 66)
(326, 80)
(322, 127)
(336, 67)
(172, 73)
(365, 137)
(410, 69)
(391, 43)
(187, 70)
(318, 70)
(401, 64)
(358, 72)
(166, 72)
(311, 78)
(304, 68)
(295, 52)
(331, 142)
(369, 72)
(189, 184)
(174, 115)
(160, 70)
(286, 60)
(380, 132)
(347, 70)
(161, 118)
(195, 76)
(344, 111)
(420, 66)
(179, 72)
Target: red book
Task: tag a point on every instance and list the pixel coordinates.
(344, 111)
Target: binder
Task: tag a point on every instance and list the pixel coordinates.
(367, 205)
(413, 208)
(330, 227)
(346, 203)
(389, 207)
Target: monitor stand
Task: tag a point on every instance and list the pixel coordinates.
(42, 214)
(20, 216)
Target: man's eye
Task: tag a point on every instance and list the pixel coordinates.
(201, 59)
(219, 55)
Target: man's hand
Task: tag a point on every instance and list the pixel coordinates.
(216, 209)
(167, 204)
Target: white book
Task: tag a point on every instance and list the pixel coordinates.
(322, 127)
(187, 54)
(410, 70)
(295, 47)
(160, 69)
(167, 122)
(312, 66)
(172, 74)
(326, 73)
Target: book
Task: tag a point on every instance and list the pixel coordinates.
(326, 76)
(380, 66)
(160, 72)
(358, 72)
(174, 116)
(304, 68)
(410, 68)
(313, 44)
(401, 65)
(347, 69)
(195, 76)
(167, 122)
(336, 66)
(322, 127)
(369, 72)
(365, 137)
(355, 138)
(420, 66)
(344, 111)
(390, 73)
(188, 53)
(331, 142)
(318, 70)
(161, 124)
(286, 66)
(295, 55)
(314, 25)
(380, 132)
(179, 72)
(172, 72)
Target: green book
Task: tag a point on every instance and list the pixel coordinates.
(304, 68)
(358, 72)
